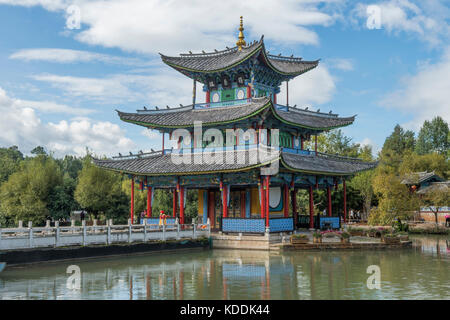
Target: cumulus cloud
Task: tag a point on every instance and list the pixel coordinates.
(174, 26)
(425, 94)
(21, 126)
(427, 20)
(71, 56)
(163, 86)
(341, 64)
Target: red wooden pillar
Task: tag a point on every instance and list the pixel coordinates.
(132, 200)
(242, 204)
(249, 92)
(174, 202)
(274, 98)
(267, 200)
(329, 200)
(294, 205)
(311, 208)
(224, 200)
(286, 201)
(208, 96)
(182, 205)
(345, 200)
(149, 201)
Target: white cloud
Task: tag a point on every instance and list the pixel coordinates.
(70, 56)
(22, 127)
(164, 86)
(313, 87)
(341, 64)
(369, 142)
(427, 20)
(425, 94)
(49, 106)
(175, 26)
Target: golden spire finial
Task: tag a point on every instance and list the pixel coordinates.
(241, 41)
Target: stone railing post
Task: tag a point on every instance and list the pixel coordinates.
(57, 233)
(83, 224)
(47, 226)
(193, 231)
(30, 230)
(94, 224)
(108, 231)
(164, 233)
(20, 224)
(129, 230)
(145, 230)
(72, 225)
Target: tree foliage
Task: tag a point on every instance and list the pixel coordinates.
(433, 137)
(26, 193)
(97, 188)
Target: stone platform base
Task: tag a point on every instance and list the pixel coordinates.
(249, 242)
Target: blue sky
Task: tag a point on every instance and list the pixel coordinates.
(59, 85)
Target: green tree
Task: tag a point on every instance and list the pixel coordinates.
(433, 137)
(39, 151)
(97, 188)
(70, 165)
(399, 141)
(25, 195)
(61, 200)
(10, 159)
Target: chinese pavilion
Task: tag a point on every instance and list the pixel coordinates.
(240, 194)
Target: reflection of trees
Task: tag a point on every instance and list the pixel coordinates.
(223, 274)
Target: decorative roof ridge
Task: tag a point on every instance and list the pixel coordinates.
(157, 111)
(216, 53)
(311, 112)
(268, 59)
(344, 158)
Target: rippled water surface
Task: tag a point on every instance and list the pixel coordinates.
(422, 272)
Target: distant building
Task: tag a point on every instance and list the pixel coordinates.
(425, 182)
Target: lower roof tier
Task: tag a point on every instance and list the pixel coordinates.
(211, 115)
(159, 164)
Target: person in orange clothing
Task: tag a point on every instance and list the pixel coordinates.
(162, 218)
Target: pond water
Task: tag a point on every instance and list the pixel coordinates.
(421, 272)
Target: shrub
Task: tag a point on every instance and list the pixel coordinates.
(345, 235)
(299, 236)
(317, 234)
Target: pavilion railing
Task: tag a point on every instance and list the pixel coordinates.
(41, 237)
(256, 225)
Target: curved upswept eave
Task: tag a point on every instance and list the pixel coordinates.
(325, 164)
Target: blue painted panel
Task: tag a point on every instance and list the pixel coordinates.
(281, 224)
(243, 225)
(333, 220)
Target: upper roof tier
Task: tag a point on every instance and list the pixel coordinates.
(219, 61)
(209, 114)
